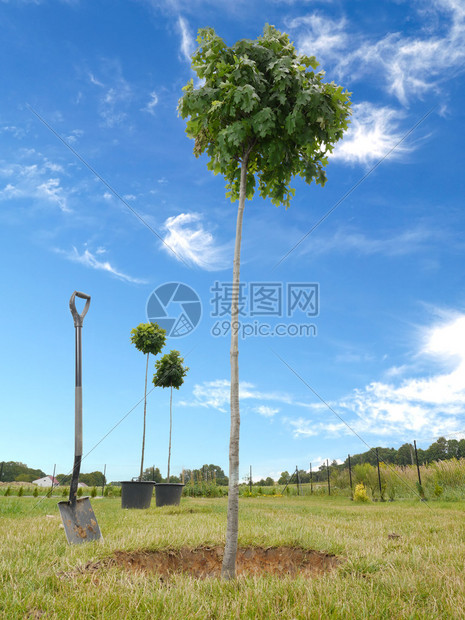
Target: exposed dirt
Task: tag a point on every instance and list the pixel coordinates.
(206, 561)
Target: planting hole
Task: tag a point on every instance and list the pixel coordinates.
(206, 561)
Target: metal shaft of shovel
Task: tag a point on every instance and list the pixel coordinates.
(78, 517)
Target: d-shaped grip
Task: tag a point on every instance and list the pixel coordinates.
(78, 318)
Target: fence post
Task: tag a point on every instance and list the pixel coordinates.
(250, 480)
(350, 479)
(297, 480)
(381, 499)
(416, 459)
(311, 479)
(104, 479)
(53, 480)
(329, 483)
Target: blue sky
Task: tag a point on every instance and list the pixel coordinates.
(386, 351)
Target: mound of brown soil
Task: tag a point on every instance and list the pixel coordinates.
(206, 561)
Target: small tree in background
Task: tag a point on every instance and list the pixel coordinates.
(261, 114)
(170, 373)
(148, 338)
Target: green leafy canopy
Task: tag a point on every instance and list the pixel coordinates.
(170, 371)
(148, 338)
(262, 101)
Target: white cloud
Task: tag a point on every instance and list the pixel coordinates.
(115, 94)
(32, 181)
(216, 394)
(420, 406)
(392, 244)
(52, 190)
(74, 136)
(267, 412)
(191, 242)
(187, 40)
(88, 259)
(409, 66)
(372, 133)
(150, 107)
(95, 81)
(322, 36)
(16, 132)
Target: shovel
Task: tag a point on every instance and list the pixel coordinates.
(77, 515)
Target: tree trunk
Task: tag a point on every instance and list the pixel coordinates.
(228, 570)
(145, 414)
(171, 425)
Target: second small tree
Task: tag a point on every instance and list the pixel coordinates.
(170, 373)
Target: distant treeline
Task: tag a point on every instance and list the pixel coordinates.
(441, 450)
(14, 471)
(205, 474)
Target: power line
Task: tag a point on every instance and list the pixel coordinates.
(343, 421)
(354, 187)
(107, 185)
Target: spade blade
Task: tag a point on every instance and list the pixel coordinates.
(79, 521)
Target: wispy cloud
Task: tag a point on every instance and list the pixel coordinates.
(115, 93)
(393, 245)
(52, 190)
(190, 241)
(267, 412)
(408, 66)
(24, 180)
(150, 106)
(373, 132)
(187, 46)
(88, 259)
(216, 394)
(321, 36)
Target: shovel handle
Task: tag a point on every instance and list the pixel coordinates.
(78, 318)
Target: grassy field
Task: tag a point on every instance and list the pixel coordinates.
(398, 560)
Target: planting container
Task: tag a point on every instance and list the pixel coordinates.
(135, 494)
(168, 493)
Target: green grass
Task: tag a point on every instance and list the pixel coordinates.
(418, 575)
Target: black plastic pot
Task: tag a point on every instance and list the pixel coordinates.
(168, 493)
(135, 494)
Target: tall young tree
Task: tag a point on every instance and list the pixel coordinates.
(262, 115)
(149, 338)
